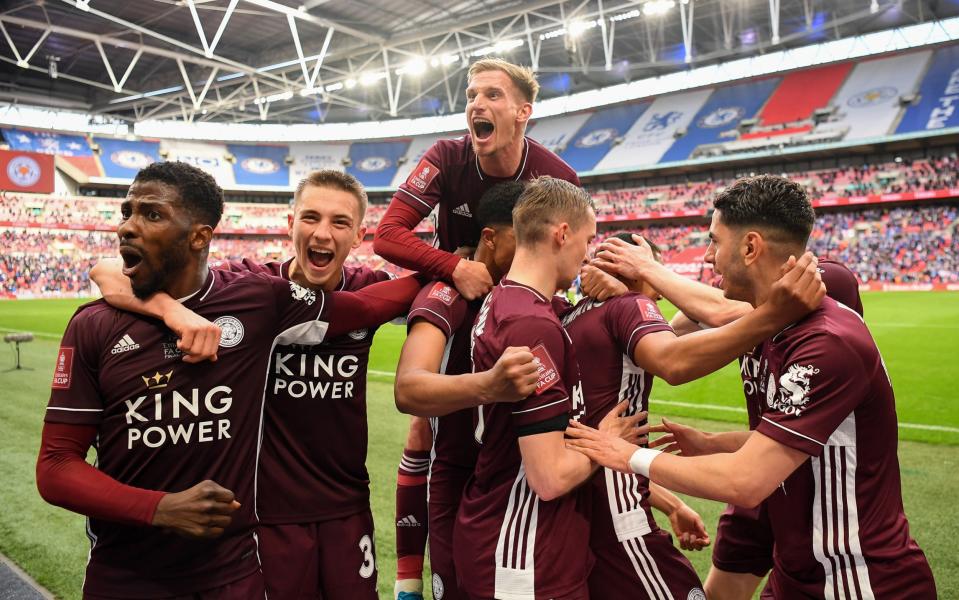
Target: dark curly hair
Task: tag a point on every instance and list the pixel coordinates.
(774, 204)
(496, 204)
(198, 190)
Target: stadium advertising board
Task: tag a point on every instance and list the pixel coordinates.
(26, 172)
(121, 159)
(721, 115)
(207, 156)
(315, 157)
(375, 163)
(260, 165)
(938, 106)
(655, 131)
(598, 134)
(868, 103)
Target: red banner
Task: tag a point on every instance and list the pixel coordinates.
(26, 172)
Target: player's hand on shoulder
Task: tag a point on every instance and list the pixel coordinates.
(514, 375)
(624, 259)
(199, 339)
(680, 439)
(689, 528)
(617, 423)
(202, 511)
(472, 279)
(599, 284)
(800, 290)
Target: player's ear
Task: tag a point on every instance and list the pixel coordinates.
(360, 234)
(525, 112)
(488, 237)
(561, 233)
(753, 247)
(289, 224)
(200, 236)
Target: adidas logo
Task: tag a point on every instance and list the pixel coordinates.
(125, 344)
(408, 521)
(463, 210)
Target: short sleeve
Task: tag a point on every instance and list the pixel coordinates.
(422, 190)
(75, 397)
(301, 313)
(631, 317)
(546, 340)
(820, 384)
(440, 305)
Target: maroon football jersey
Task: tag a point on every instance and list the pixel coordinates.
(312, 464)
(841, 284)
(838, 520)
(454, 453)
(167, 425)
(605, 335)
(507, 542)
(449, 175)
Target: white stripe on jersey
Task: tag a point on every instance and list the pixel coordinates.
(646, 569)
(514, 567)
(835, 536)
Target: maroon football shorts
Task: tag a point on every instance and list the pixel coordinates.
(331, 560)
(643, 567)
(446, 489)
(248, 588)
(744, 541)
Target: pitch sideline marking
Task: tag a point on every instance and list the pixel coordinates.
(737, 409)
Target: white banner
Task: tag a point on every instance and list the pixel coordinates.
(868, 103)
(210, 157)
(315, 157)
(652, 135)
(556, 132)
(414, 153)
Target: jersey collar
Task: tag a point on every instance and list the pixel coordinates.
(522, 164)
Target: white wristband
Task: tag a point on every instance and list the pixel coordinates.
(641, 460)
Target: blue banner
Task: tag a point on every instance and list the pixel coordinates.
(375, 163)
(122, 158)
(260, 165)
(938, 106)
(726, 107)
(594, 139)
(47, 142)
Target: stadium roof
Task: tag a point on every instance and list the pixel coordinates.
(312, 61)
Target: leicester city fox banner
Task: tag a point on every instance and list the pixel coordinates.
(122, 159)
(375, 163)
(652, 135)
(260, 165)
(868, 103)
(26, 172)
(938, 106)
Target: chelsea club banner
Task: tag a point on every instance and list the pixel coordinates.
(122, 159)
(375, 163)
(47, 142)
(260, 165)
(26, 172)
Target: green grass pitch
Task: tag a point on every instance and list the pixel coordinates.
(918, 334)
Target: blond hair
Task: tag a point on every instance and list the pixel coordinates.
(338, 180)
(522, 77)
(547, 202)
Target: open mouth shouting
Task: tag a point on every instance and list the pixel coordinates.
(132, 259)
(320, 258)
(482, 129)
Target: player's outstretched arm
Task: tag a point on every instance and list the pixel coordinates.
(702, 303)
(744, 478)
(686, 522)
(373, 305)
(198, 338)
(682, 359)
(65, 479)
(421, 390)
